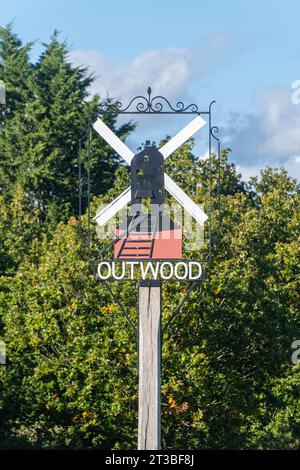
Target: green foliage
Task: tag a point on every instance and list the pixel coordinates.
(228, 381)
(48, 115)
(15, 70)
(73, 362)
(20, 231)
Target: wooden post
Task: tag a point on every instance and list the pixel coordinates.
(149, 365)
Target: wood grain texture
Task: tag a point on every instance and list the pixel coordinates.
(149, 367)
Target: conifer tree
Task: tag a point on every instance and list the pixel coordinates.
(39, 144)
(15, 70)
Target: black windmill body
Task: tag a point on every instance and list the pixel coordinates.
(147, 176)
(144, 239)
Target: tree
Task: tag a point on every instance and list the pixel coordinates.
(20, 231)
(73, 361)
(15, 70)
(39, 143)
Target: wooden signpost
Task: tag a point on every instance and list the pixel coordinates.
(135, 244)
(149, 365)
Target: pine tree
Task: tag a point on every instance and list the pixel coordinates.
(39, 145)
(15, 70)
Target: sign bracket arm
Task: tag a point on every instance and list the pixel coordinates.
(178, 308)
(118, 303)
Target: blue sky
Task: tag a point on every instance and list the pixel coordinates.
(245, 55)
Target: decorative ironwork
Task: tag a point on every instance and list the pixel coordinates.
(213, 131)
(152, 104)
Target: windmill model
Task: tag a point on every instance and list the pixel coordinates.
(149, 237)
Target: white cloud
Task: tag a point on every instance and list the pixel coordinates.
(172, 72)
(247, 171)
(169, 71)
(166, 70)
(291, 165)
(205, 155)
(270, 135)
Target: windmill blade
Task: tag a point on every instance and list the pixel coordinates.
(114, 141)
(182, 136)
(125, 197)
(190, 206)
(115, 206)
